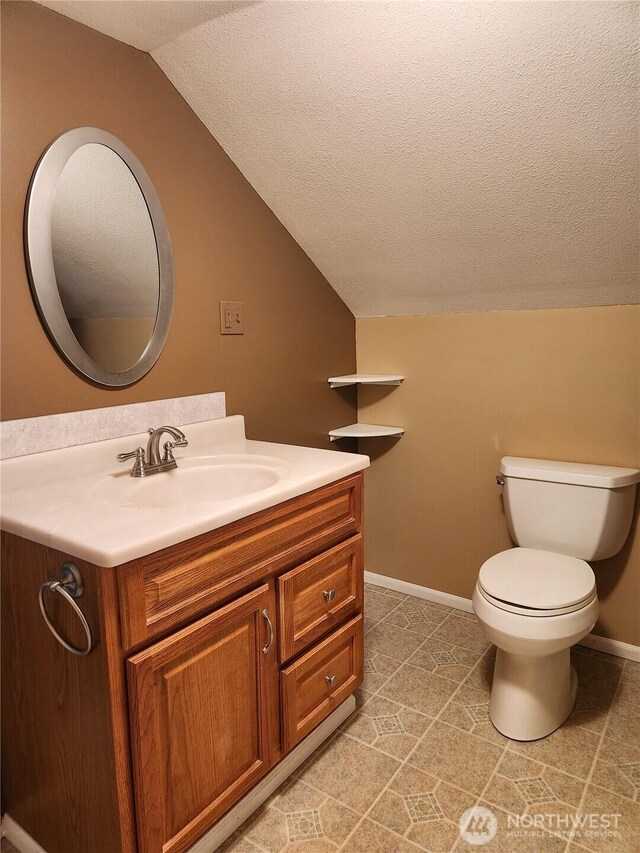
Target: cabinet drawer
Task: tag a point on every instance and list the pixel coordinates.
(167, 589)
(316, 596)
(313, 686)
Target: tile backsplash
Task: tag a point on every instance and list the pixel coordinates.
(51, 432)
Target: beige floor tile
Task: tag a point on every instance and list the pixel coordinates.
(422, 808)
(473, 720)
(469, 710)
(377, 605)
(267, 828)
(420, 690)
(570, 749)
(434, 612)
(409, 679)
(456, 757)
(617, 769)
(337, 820)
(370, 837)
(418, 615)
(362, 697)
(597, 681)
(623, 725)
(369, 622)
(387, 726)
(593, 721)
(298, 818)
(390, 810)
(296, 796)
(435, 815)
(632, 672)
(351, 772)
(312, 845)
(627, 698)
(444, 659)
(391, 641)
(395, 594)
(599, 802)
(237, 843)
(506, 839)
(417, 623)
(377, 668)
(462, 632)
(436, 836)
(481, 676)
(524, 787)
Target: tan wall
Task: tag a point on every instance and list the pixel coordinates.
(57, 74)
(557, 384)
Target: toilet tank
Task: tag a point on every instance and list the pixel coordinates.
(583, 511)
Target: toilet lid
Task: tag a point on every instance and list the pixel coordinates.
(538, 580)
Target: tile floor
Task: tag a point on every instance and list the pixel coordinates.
(420, 750)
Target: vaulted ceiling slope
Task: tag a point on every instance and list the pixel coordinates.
(428, 156)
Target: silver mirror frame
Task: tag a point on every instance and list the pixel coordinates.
(39, 256)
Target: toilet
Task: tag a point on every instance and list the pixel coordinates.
(538, 599)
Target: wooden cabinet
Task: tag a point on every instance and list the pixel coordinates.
(319, 681)
(200, 703)
(212, 659)
(318, 595)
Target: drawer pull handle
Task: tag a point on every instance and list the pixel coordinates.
(330, 679)
(329, 594)
(267, 646)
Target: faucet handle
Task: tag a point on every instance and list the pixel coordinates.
(169, 447)
(140, 463)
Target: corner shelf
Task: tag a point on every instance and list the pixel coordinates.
(365, 379)
(365, 431)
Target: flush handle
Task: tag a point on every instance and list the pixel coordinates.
(500, 479)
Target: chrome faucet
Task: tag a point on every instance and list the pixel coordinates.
(152, 462)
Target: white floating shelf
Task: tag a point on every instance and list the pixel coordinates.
(365, 379)
(365, 431)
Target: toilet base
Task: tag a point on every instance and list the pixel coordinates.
(532, 696)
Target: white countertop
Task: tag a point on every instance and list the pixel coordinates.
(72, 500)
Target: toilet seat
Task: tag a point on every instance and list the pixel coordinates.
(531, 611)
(532, 582)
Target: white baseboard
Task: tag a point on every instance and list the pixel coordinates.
(20, 839)
(234, 818)
(420, 591)
(611, 647)
(591, 641)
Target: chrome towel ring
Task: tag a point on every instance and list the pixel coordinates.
(70, 587)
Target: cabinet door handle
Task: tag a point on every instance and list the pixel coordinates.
(329, 594)
(267, 646)
(330, 679)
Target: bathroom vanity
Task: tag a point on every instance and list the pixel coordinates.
(212, 657)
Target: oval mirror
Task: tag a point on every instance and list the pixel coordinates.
(99, 256)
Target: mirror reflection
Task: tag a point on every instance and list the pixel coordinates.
(105, 258)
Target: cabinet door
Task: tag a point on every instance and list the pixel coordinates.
(202, 705)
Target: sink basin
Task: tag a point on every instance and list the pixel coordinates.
(196, 481)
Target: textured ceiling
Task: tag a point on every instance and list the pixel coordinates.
(144, 24)
(431, 156)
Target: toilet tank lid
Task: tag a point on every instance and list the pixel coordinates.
(574, 473)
